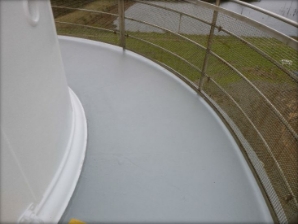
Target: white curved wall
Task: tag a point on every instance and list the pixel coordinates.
(36, 111)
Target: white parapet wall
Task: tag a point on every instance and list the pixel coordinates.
(43, 125)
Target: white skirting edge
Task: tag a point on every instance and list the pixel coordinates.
(59, 192)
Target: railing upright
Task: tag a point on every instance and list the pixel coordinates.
(121, 24)
(209, 43)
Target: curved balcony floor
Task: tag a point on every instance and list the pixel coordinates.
(156, 151)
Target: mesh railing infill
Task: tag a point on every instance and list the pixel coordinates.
(250, 74)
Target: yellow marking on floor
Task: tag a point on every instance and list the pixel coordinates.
(76, 221)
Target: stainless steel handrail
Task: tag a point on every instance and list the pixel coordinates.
(170, 52)
(274, 33)
(279, 115)
(280, 36)
(268, 31)
(272, 14)
(295, 77)
(260, 135)
(167, 30)
(291, 74)
(91, 27)
(85, 10)
(269, 103)
(193, 17)
(173, 10)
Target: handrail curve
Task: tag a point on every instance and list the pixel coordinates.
(266, 12)
(286, 69)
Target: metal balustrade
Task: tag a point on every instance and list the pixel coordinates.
(245, 70)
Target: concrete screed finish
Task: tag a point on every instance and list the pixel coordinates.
(156, 151)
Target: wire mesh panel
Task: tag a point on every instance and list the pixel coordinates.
(88, 19)
(254, 75)
(170, 30)
(288, 9)
(248, 73)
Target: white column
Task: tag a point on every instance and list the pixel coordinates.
(38, 119)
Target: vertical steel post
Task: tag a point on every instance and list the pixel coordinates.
(179, 22)
(121, 23)
(209, 43)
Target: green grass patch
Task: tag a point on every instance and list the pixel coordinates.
(246, 60)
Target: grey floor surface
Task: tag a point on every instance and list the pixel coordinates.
(156, 151)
